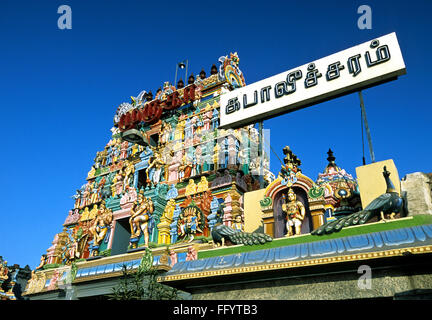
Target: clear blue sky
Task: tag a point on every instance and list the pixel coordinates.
(59, 89)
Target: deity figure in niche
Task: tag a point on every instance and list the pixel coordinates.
(199, 160)
(164, 133)
(123, 150)
(99, 227)
(116, 153)
(139, 219)
(189, 222)
(194, 166)
(215, 119)
(154, 170)
(188, 129)
(95, 193)
(206, 120)
(104, 155)
(186, 166)
(295, 213)
(85, 199)
(77, 198)
(75, 245)
(109, 156)
(128, 174)
(117, 183)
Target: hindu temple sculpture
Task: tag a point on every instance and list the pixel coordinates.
(162, 174)
(154, 170)
(99, 227)
(139, 219)
(295, 213)
(389, 203)
(238, 223)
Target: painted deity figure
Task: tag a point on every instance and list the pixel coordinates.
(123, 150)
(295, 213)
(140, 216)
(129, 171)
(117, 183)
(77, 198)
(100, 226)
(93, 212)
(95, 196)
(238, 223)
(3, 270)
(203, 185)
(74, 246)
(85, 199)
(198, 160)
(185, 168)
(104, 155)
(43, 261)
(192, 254)
(173, 258)
(165, 133)
(154, 170)
(188, 223)
(191, 188)
(85, 214)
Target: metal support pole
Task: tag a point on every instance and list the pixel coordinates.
(261, 155)
(372, 155)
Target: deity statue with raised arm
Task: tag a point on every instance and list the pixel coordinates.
(100, 226)
(140, 216)
(295, 213)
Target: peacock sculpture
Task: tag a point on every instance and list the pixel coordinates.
(389, 203)
(221, 233)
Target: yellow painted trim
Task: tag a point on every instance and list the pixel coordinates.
(296, 264)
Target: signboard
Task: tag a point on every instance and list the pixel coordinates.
(353, 69)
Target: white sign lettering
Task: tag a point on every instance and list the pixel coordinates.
(353, 69)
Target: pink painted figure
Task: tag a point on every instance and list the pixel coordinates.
(173, 256)
(53, 282)
(192, 254)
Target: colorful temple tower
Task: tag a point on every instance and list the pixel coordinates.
(170, 184)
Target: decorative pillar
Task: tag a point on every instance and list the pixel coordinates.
(227, 218)
(212, 217)
(267, 215)
(316, 206)
(173, 225)
(317, 211)
(166, 220)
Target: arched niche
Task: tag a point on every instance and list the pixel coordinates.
(273, 216)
